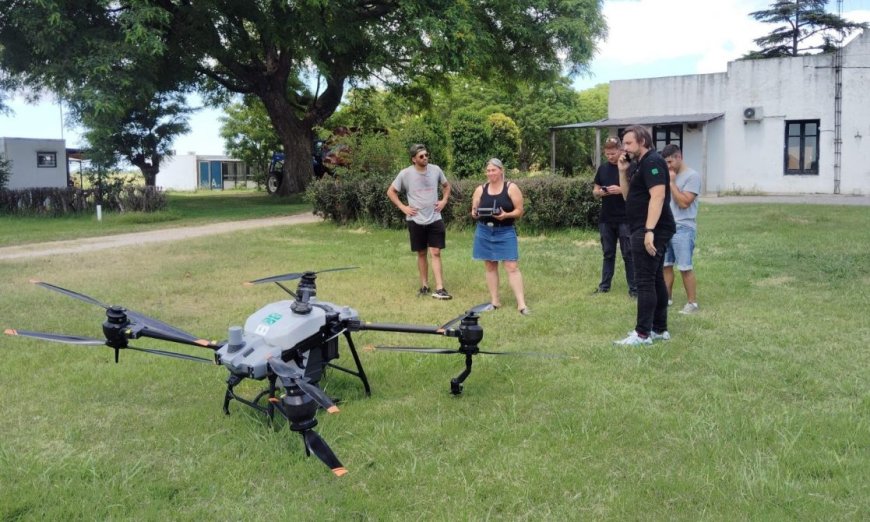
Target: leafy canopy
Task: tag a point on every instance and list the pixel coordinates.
(805, 26)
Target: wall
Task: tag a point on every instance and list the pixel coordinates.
(749, 155)
(22, 152)
(178, 172)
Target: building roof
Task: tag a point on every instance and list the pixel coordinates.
(643, 120)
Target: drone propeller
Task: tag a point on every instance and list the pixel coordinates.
(294, 276)
(315, 444)
(147, 326)
(290, 377)
(90, 341)
(58, 338)
(482, 307)
(415, 349)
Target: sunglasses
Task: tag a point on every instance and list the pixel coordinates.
(421, 156)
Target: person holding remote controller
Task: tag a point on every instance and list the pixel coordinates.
(496, 205)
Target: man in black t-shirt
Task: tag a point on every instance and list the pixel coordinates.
(611, 219)
(645, 186)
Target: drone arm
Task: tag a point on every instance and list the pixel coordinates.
(357, 326)
(138, 331)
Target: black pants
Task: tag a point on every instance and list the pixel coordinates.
(652, 293)
(611, 233)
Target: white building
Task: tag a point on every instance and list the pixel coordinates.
(779, 126)
(198, 172)
(35, 162)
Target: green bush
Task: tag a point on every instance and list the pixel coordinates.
(504, 135)
(550, 202)
(5, 171)
(51, 201)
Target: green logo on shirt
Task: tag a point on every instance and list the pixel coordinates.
(655, 171)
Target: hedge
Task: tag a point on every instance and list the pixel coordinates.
(49, 201)
(551, 202)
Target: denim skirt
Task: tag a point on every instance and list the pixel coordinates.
(495, 243)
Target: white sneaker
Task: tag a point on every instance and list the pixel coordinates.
(664, 336)
(670, 302)
(634, 340)
(690, 308)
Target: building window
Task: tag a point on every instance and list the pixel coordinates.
(802, 147)
(666, 134)
(46, 160)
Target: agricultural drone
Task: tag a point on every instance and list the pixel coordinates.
(290, 342)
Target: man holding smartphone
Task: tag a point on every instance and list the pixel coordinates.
(611, 219)
(645, 185)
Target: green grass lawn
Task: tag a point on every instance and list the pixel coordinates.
(757, 409)
(185, 208)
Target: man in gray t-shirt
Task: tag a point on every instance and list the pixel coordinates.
(685, 187)
(420, 184)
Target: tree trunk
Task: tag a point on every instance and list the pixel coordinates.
(149, 171)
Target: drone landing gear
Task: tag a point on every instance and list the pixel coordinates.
(360, 373)
(233, 380)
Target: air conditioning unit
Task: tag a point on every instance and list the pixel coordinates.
(752, 114)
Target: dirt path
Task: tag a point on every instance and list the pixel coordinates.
(92, 244)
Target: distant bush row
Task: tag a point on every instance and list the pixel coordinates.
(61, 201)
(551, 202)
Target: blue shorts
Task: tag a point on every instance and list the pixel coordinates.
(680, 249)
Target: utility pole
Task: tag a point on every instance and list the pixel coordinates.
(838, 107)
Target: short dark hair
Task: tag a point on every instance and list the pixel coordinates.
(641, 133)
(671, 149)
(416, 148)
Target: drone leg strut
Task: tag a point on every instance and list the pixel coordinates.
(456, 383)
(360, 372)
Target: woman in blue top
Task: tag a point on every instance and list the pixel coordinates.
(496, 205)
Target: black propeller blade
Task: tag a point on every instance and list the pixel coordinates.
(294, 275)
(90, 341)
(289, 376)
(315, 444)
(482, 307)
(147, 326)
(414, 349)
(58, 338)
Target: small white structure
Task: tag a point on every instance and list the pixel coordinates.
(792, 125)
(201, 172)
(35, 162)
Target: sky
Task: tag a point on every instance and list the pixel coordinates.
(646, 38)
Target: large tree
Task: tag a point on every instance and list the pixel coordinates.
(264, 48)
(805, 27)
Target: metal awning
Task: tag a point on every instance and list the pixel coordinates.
(672, 119)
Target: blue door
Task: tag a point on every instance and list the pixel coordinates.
(203, 174)
(217, 180)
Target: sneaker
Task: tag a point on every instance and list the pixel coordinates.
(525, 311)
(424, 290)
(634, 339)
(670, 302)
(441, 294)
(664, 336)
(690, 308)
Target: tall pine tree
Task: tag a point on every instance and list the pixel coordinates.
(805, 27)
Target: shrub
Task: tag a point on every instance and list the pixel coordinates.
(51, 201)
(550, 202)
(5, 171)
